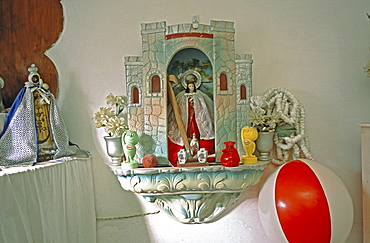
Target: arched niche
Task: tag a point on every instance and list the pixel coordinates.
(135, 95)
(191, 65)
(192, 59)
(243, 92)
(223, 82)
(155, 84)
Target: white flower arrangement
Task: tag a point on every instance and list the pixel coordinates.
(278, 110)
(111, 119)
(262, 116)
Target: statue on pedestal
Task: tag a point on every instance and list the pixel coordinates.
(196, 112)
(34, 130)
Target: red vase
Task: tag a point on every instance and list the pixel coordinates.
(230, 156)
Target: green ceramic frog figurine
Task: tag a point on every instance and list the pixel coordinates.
(129, 140)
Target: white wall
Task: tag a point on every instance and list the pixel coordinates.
(316, 49)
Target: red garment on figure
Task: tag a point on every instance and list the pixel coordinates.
(192, 124)
(192, 128)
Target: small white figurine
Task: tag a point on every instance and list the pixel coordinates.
(182, 156)
(194, 146)
(202, 155)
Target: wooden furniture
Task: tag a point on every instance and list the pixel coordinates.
(28, 29)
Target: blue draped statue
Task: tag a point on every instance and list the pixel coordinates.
(34, 130)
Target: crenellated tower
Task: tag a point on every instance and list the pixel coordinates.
(226, 76)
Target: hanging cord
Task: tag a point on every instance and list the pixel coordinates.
(127, 217)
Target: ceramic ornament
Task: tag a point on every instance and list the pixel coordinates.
(303, 202)
(129, 141)
(150, 161)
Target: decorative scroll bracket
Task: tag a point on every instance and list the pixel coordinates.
(191, 194)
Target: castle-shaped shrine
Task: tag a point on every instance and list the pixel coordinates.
(205, 51)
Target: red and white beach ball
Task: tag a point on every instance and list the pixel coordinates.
(303, 201)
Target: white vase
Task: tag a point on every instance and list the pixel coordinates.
(114, 149)
(264, 145)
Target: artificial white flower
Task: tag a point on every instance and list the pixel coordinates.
(262, 116)
(111, 118)
(102, 115)
(116, 126)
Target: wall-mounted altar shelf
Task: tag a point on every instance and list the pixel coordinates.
(191, 194)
